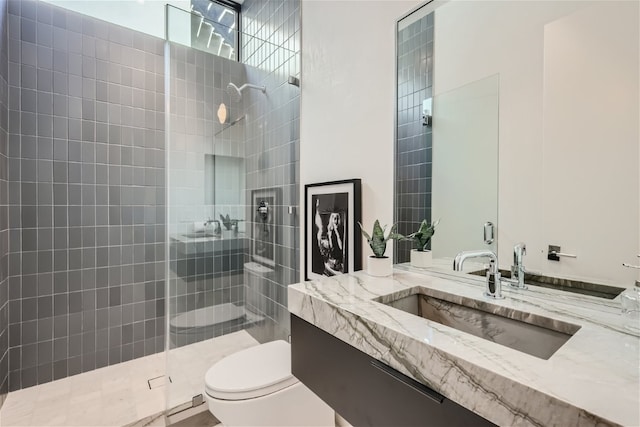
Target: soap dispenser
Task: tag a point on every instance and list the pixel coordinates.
(630, 300)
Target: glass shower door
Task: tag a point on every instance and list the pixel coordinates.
(229, 151)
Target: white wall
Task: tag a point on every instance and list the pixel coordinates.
(571, 181)
(590, 146)
(347, 114)
(347, 100)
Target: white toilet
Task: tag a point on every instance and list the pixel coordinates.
(255, 387)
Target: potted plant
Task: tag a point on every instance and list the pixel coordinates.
(230, 226)
(421, 256)
(378, 264)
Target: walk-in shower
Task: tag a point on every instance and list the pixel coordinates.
(117, 173)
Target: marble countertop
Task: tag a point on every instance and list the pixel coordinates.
(593, 379)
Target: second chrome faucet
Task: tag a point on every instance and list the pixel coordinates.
(517, 269)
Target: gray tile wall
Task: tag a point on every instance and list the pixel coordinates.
(269, 28)
(86, 208)
(86, 193)
(413, 146)
(272, 147)
(4, 199)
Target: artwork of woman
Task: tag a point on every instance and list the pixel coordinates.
(329, 224)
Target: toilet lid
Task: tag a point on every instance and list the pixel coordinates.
(253, 372)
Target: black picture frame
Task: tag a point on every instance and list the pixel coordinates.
(265, 232)
(333, 244)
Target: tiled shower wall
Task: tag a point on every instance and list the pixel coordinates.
(413, 147)
(4, 199)
(272, 147)
(86, 184)
(86, 193)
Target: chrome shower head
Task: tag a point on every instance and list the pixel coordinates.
(235, 92)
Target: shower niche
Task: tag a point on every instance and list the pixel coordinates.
(224, 190)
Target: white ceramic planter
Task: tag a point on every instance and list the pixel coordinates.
(379, 267)
(228, 234)
(421, 259)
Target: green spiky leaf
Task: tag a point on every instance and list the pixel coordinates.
(226, 221)
(377, 240)
(422, 237)
(364, 233)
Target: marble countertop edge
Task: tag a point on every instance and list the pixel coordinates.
(477, 374)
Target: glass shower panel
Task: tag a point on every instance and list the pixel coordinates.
(231, 148)
(465, 166)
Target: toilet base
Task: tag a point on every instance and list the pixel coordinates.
(295, 405)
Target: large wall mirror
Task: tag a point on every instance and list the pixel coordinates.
(534, 126)
(446, 149)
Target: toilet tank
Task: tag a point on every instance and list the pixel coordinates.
(260, 286)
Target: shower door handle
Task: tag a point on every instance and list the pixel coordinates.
(489, 234)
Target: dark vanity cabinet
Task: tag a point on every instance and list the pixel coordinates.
(365, 391)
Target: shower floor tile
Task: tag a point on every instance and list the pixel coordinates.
(119, 395)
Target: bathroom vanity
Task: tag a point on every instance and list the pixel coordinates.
(366, 391)
(198, 253)
(428, 349)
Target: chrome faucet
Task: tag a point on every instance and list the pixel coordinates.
(517, 269)
(493, 287)
(216, 229)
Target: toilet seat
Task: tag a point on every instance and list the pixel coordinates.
(251, 373)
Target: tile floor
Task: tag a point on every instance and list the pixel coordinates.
(119, 395)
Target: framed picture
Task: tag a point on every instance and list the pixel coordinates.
(266, 211)
(333, 243)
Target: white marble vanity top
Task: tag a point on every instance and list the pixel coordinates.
(593, 379)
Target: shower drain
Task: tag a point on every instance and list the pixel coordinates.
(157, 382)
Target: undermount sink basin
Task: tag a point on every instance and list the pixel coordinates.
(532, 334)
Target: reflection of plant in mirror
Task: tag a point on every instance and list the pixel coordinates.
(228, 222)
(377, 240)
(422, 237)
